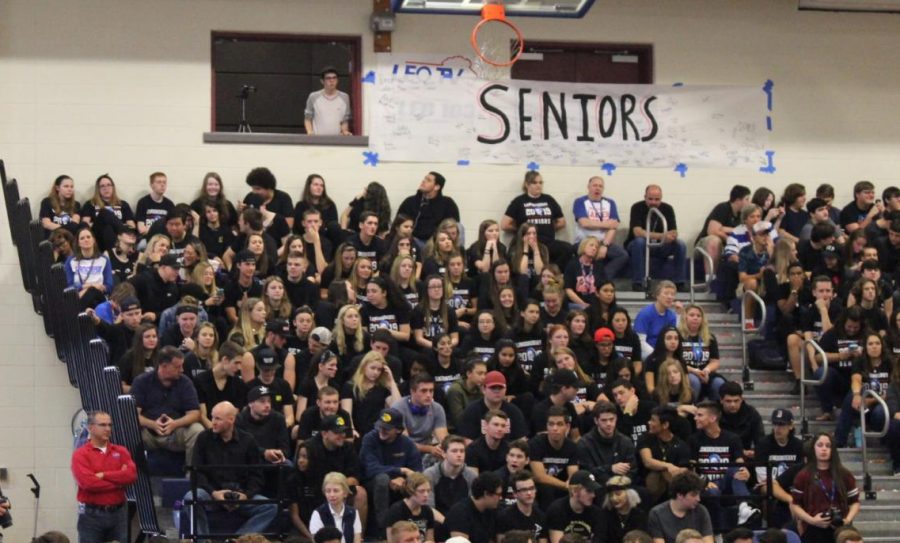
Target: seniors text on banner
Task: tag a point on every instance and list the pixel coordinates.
(434, 109)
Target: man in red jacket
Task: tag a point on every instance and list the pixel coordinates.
(102, 470)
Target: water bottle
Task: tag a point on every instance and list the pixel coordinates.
(176, 520)
(857, 436)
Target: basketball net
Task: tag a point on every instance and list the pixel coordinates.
(497, 43)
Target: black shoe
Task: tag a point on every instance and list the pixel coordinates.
(637, 287)
(796, 390)
(681, 287)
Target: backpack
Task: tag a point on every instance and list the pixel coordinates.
(765, 355)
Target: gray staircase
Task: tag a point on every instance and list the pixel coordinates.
(879, 519)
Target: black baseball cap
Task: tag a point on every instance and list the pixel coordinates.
(129, 304)
(170, 260)
(564, 378)
(266, 358)
(258, 392)
(335, 423)
(389, 418)
(782, 417)
(585, 479)
(244, 255)
(279, 326)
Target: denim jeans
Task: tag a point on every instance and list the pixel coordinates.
(258, 516)
(709, 389)
(97, 526)
(726, 486)
(833, 388)
(849, 417)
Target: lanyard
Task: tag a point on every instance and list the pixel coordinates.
(829, 495)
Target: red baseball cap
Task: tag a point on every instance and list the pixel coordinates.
(604, 334)
(494, 378)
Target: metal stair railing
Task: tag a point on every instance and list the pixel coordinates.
(804, 423)
(867, 478)
(708, 277)
(652, 243)
(745, 331)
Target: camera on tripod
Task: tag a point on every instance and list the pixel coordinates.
(246, 91)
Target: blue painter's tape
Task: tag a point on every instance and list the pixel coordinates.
(770, 167)
(681, 168)
(608, 167)
(533, 166)
(371, 158)
(678, 84)
(767, 88)
(369, 77)
(462, 162)
(769, 122)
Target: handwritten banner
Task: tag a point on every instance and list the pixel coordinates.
(435, 109)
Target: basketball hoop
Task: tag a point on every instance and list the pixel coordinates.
(497, 42)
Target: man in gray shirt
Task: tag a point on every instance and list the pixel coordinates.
(426, 421)
(681, 512)
(327, 111)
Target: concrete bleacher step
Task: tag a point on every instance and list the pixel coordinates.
(872, 529)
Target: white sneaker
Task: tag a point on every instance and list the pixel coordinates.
(747, 513)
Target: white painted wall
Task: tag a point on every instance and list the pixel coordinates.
(123, 87)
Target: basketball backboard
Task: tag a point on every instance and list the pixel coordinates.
(528, 8)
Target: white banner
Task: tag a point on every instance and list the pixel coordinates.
(434, 109)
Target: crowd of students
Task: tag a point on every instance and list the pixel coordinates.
(413, 378)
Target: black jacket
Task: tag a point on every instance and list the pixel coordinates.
(428, 214)
(747, 424)
(241, 451)
(597, 454)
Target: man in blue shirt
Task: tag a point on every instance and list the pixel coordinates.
(651, 320)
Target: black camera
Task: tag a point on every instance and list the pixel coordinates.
(836, 518)
(6, 518)
(232, 495)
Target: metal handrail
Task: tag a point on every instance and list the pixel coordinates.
(709, 276)
(650, 242)
(867, 478)
(804, 424)
(745, 368)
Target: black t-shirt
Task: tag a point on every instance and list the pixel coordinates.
(541, 212)
(62, 218)
(234, 292)
(809, 256)
(365, 408)
(122, 211)
(215, 240)
(303, 292)
(310, 251)
(628, 346)
(435, 325)
(479, 527)
(529, 345)
(235, 391)
(463, 295)
(556, 461)
(561, 518)
(724, 215)
(875, 379)
(400, 511)
(793, 221)
(696, 354)
(374, 251)
(121, 270)
(639, 213)
(511, 518)
(281, 203)
(782, 457)
(634, 426)
(705, 450)
(149, 211)
(483, 458)
(584, 279)
(310, 423)
(831, 343)
(470, 422)
(852, 214)
(811, 318)
(674, 451)
(388, 317)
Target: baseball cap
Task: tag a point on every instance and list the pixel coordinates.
(494, 378)
(258, 392)
(782, 416)
(335, 423)
(265, 358)
(830, 250)
(604, 334)
(169, 260)
(245, 255)
(321, 334)
(814, 204)
(129, 304)
(389, 418)
(585, 479)
(563, 378)
(279, 326)
(762, 226)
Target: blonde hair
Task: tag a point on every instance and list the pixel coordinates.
(360, 386)
(413, 481)
(243, 328)
(703, 332)
(283, 310)
(663, 388)
(213, 355)
(585, 242)
(354, 278)
(197, 277)
(584, 377)
(336, 478)
(395, 270)
(340, 336)
(145, 257)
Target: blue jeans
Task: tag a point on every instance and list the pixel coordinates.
(706, 390)
(893, 442)
(834, 387)
(726, 486)
(668, 256)
(97, 526)
(258, 516)
(616, 259)
(849, 417)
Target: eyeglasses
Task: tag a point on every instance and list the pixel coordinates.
(529, 489)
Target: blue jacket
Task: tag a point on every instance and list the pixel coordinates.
(379, 457)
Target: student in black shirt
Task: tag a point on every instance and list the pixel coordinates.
(843, 345)
(428, 207)
(414, 507)
(663, 455)
(781, 448)
(721, 221)
(633, 412)
(863, 210)
(263, 187)
(576, 513)
(385, 308)
(60, 209)
(871, 371)
(816, 318)
(154, 206)
(331, 450)
(541, 210)
(517, 459)
(554, 457)
(488, 452)
(367, 243)
(621, 513)
(524, 514)
(243, 286)
(106, 213)
(741, 418)
(123, 257)
(215, 235)
(474, 518)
